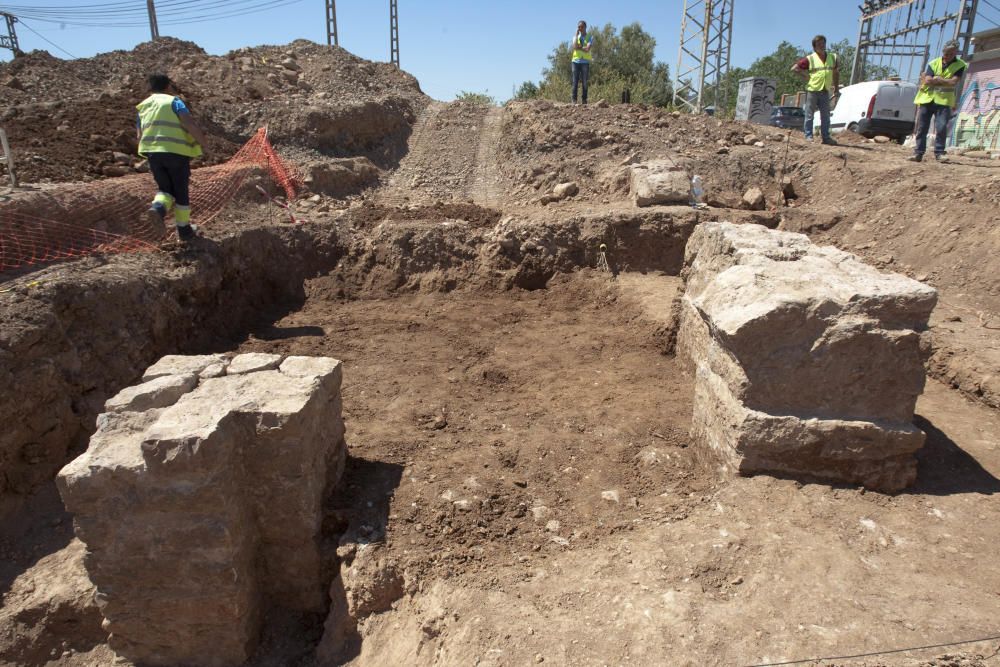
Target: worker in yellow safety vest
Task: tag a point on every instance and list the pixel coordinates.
(583, 41)
(936, 99)
(821, 72)
(168, 138)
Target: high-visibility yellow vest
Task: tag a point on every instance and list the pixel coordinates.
(161, 129)
(943, 96)
(821, 73)
(578, 52)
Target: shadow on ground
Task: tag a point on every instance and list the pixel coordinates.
(944, 468)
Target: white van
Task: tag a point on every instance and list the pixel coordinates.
(875, 107)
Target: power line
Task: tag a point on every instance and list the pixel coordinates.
(176, 12)
(21, 21)
(982, 15)
(874, 653)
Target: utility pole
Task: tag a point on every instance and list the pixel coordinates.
(9, 41)
(7, 157)
(704, 55)
(393, 33)
(154, 30)
(331, 23)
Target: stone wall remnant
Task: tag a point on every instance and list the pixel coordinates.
(200, 502)
(808, 361)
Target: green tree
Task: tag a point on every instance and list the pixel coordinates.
(527, 91)
(476, 98)
(777, 65)
(728, 89)
(621, 61)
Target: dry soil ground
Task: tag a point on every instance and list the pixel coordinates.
(548, 507)
(522, 456)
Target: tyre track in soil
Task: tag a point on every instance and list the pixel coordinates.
(452, 157)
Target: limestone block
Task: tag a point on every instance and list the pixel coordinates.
(162, 392)
(178, 364)
(659, 182)
(807, 360)
(252, 362)
(214, 371)
(200, 515)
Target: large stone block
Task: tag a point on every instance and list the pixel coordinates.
(202, 509)
(807, 360)
(659, 182)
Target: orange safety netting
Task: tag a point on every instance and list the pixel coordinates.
(109, 216)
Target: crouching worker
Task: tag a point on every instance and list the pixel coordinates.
(169, 138)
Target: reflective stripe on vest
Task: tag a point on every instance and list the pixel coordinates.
(578, 53)
(943, 96)
(821, 73)
(161, 129)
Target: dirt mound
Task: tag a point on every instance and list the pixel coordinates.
(543, 144)
(74, 120)
(931, 221)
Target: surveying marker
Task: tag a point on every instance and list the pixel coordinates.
(272, 200)
(602, 258)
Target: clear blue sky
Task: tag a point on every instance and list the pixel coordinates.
(449, 45)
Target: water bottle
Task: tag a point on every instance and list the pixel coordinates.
(697, 192)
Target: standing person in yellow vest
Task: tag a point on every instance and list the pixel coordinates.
(936, 99)
(821, 72)
(583, 41)
(169, 138)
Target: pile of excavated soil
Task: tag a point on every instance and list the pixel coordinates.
(934, 222)
(67, 119)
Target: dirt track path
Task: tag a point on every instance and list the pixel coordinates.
(452, 156)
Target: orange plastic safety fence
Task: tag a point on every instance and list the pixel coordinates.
(109, 216)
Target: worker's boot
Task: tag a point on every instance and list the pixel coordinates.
(187, 232)
(155, 215)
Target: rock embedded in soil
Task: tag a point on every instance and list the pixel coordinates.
(808, 362)
(754, 199)
(564, 190)
(659, 182)
(201, 512)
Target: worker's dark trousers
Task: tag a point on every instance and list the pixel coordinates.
(581, 75)
(940, 114)
(172, 174)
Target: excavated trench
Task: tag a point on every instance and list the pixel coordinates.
(75, 334)
(485, 356)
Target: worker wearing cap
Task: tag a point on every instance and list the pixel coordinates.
(169, 138)
(583, 42)
(936, 99)
(821, 72)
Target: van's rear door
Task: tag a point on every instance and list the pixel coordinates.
(889, 103)
(908, 109)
